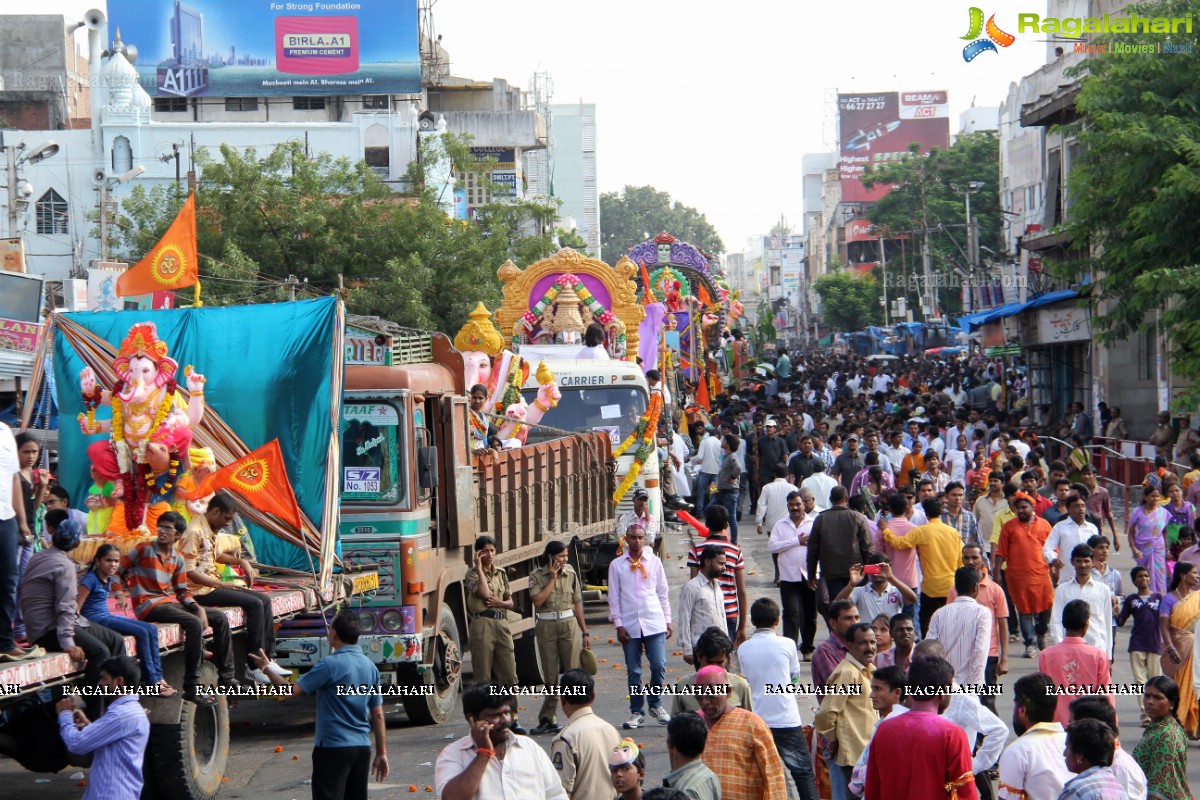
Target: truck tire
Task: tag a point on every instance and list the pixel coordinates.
(188, 759)
(443, 675)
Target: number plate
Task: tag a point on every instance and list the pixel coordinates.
(361, 480)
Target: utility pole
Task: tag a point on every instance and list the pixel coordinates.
(11, 152)
(926, 255)
(104, 220)
(883, 274)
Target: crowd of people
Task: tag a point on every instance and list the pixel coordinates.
(930, 524)
(912, 510)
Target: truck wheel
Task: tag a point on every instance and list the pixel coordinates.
(443, 675)
(188, 759)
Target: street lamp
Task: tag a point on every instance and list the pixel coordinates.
(19, 189)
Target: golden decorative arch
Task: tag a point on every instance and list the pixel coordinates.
(618, 280)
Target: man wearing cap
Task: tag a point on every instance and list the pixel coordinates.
(580, 751)
(772, 452)
(708, 456)
(558, 600)
(640, 514)
(848, 464)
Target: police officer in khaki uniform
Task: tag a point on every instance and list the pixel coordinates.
(490, 638)
(580, 752)
(558, 600)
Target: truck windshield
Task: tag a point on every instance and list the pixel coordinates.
(614, 410)
(372, 437)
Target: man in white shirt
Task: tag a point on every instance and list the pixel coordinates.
(638, 606)
(988, 505)
(1033, 765)
(964, 628)
(701, 600)
(1068, 533)
(772, 507)
(12, 528)
(821, 484)
(491, 761)
(789, 541)
(769, 660)
(1084, 586)
(708, 456)
(895, 450)
(881, 382)
(968, 713)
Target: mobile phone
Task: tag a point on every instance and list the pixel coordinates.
(871, 569)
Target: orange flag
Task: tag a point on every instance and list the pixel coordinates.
(172, 264)
(261, 478)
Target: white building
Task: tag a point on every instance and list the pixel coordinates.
(573, 168)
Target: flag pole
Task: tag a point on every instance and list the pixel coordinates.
(196, 302)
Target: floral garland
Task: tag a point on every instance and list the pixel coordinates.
(169, 479)
(645, 430)
(599, 312)
(91, 402)
(118, 427)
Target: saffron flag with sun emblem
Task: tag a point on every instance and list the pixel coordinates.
(172, 264)
(260, 477)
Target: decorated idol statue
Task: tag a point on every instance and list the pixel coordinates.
(501, 371)
(147, 414)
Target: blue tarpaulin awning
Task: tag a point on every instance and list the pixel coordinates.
(973, 322)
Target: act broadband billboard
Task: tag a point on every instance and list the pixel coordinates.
(264, 48)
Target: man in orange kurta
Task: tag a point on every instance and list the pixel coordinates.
(1018, 558)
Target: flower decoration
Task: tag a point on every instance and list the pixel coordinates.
(644, 431)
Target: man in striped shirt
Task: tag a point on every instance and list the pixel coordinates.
(158, 589)
(733, 585)
(964, 627)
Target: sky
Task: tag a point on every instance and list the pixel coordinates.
(716, 103)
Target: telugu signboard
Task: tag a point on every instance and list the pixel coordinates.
(879, 127)
(270, 48)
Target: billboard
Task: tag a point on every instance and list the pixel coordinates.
(879, 127)
(792, 267)
(266, 48)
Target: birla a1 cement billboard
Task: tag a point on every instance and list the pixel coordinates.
(265, 48)
(878, 128)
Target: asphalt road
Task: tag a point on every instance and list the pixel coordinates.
(260, 726)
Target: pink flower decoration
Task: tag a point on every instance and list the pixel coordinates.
(566, 281)
(606, 318)
(529, 318)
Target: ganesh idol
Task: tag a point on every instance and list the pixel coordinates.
(503, 373)
(145, 455)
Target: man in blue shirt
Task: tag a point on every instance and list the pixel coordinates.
(118, 738)
(349, 710)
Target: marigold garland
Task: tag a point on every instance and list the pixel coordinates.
(645, 430)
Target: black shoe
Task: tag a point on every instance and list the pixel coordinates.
(545, 726)
(230, 685)
(676, 503)
(518, 730)
(669, 516)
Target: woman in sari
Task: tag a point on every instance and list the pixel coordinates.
(1162, 751)
(1147, 538)
(1179, 511)
(1177, 615)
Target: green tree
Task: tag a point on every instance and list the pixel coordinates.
(639, 212)
(849, 302)
(263, 218)
(932, 180)
(1135, 191)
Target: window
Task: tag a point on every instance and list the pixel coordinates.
(377, 102)
(122, 155)
(1148, 356)
(241, 104)
(51, 213)
(372, 437)
(308, 103)
(170, 104)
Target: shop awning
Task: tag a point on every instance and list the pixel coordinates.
(973, 322)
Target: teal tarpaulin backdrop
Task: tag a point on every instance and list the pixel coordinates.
(269, 370)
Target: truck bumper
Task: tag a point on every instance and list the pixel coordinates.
(305, 651)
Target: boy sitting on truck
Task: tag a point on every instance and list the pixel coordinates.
(157, 581)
